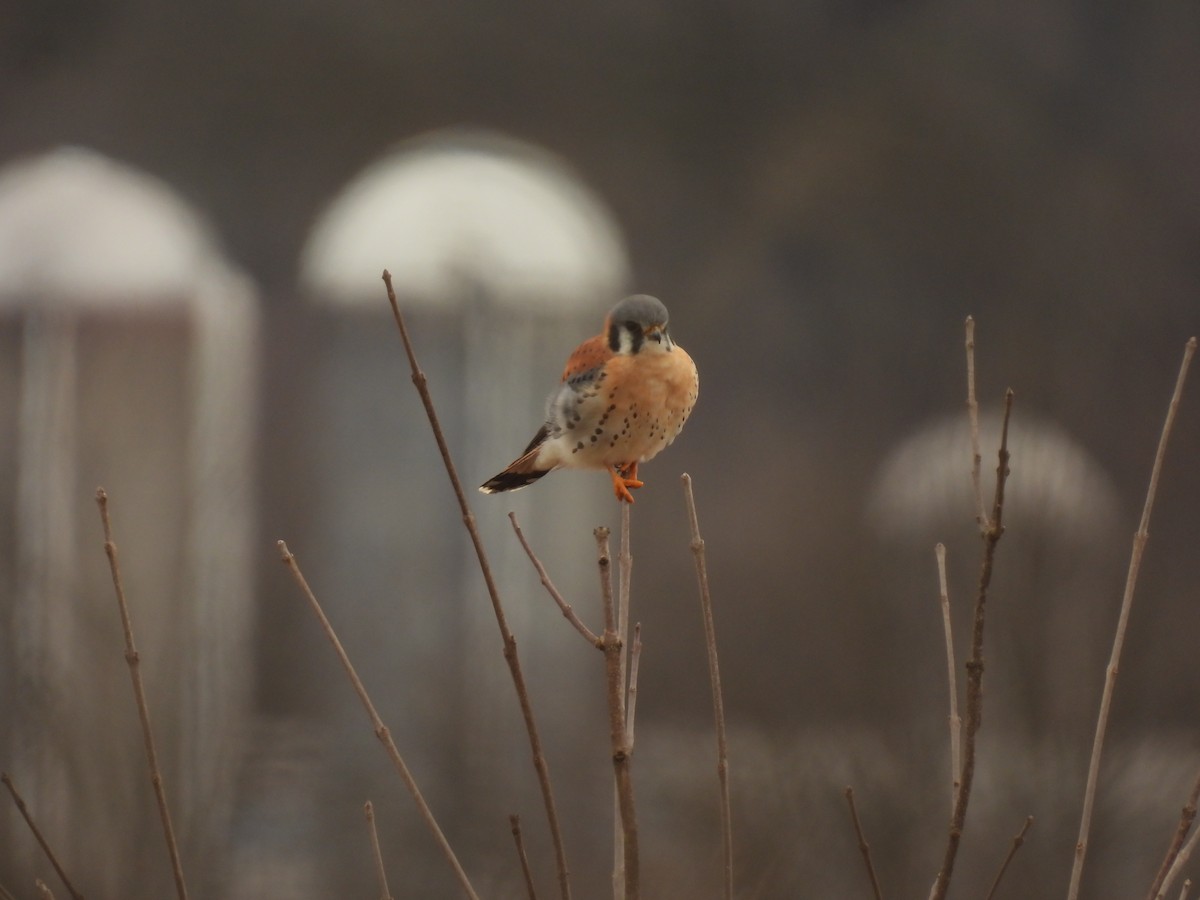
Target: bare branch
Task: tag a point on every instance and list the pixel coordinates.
(991, 537)
(714, 674)
(590, 636)
(381, 730)
(44, 892)
(863, 847)
(1186, 817)
(510, 642)
(955, 720)
(1012, 851)
(37, 834)
(1110, 679)
(624, 576)
(381, 873)
(973, 418)
(1181, 860)
(139, 694)
(627, 860)
(515, 822)
(635, 657)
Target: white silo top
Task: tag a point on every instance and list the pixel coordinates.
(78, 228)
(1056, 485)
(463, 208)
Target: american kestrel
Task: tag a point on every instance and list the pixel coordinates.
(624, 396)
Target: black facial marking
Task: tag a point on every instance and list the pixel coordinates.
(636, 336)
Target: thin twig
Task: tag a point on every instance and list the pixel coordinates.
(863, 847)
(626, 877)
(38, 836)
(624, 578)
(955, 719)
(1110, 678)
(515, 821)
(381, 730)
(1181, 860)
(973, 419)
(1012, 851)
(635, 657)
(44, 892)
(590, 636)
(714, 675)
(510, 642)
(1186, 816)
(1187, 886)
(991, 537)
(139, 694)
(381, 873)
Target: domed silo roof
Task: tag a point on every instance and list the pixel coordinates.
(461, 206)
(84, 229)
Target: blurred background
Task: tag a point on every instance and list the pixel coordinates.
(196, 202)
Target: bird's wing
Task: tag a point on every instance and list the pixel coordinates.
(587, 359)
(538, 440)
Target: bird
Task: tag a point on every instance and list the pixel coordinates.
(623, 397)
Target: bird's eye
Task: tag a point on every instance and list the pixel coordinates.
(632, 326)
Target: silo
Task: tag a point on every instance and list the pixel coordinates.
(128, 361)
(502, 260)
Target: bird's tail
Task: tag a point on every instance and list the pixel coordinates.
(520, 473)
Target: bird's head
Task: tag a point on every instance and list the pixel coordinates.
(638, 324)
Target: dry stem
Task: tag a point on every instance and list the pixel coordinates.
(1110, 680)
(1181, 859)
(863, 847)
(510, 642)
(1187, 886)
(369, 813)
(628, 860)
(139, 694)
(635, 657)
(955, 719)
(1186, 817)
(973, 418)
(624, 576)
(37, 833)
(714, 673)
(1012, 851)
(515, 822)
(991, 537)
(381, 730)
(44, 892)
(590, 636)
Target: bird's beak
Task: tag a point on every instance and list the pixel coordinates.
(658, 334)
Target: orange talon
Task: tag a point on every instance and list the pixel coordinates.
(623, 479)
